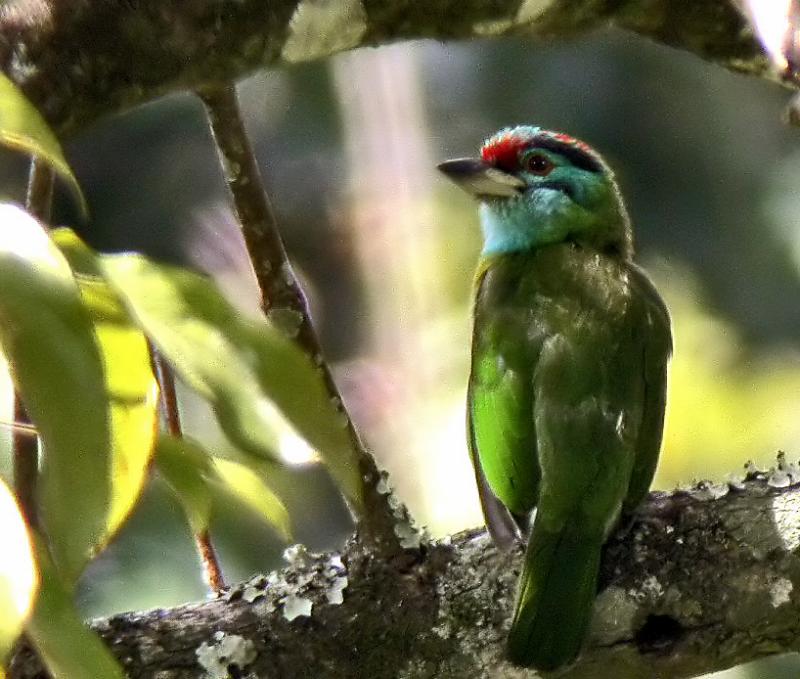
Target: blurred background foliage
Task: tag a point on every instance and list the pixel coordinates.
(386, 249)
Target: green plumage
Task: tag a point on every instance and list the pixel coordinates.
(566, 405)
(568, 382)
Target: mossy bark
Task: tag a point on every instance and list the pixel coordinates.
(79, 61)
(700, 580)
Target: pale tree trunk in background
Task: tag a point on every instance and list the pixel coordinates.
(399, 249)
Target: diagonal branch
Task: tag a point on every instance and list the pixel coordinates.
(282, 299)
(702, 580)
(79, 61)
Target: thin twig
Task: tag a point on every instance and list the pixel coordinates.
(24, 429)
(212, 570)
(39, 201)
(25, 461)
(25, 447)
(169, 397)
(280, 292)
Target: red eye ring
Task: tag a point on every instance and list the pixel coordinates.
(538, 164)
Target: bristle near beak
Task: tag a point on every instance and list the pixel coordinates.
(480, 179)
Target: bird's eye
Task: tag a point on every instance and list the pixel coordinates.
(538, 164)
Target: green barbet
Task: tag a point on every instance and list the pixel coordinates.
(568, 383)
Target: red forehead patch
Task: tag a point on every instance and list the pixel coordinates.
(503, 151)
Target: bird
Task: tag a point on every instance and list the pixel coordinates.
(567, 387)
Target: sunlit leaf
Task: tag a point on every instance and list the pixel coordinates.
(23, 128)
(18, 576)
(186, 467)
(130, 383)
(48, 339)
(68, 648)
(250, 488)
(202, 481)
(238, 364)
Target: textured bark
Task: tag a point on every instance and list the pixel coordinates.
(700, 580)
(82, 59)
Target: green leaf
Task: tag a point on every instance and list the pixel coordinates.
(239, 365)
(68, 648)
(202, 481)
(129, 380)
(186, 467)
(19, 579)
(48, 339)
(23, 128)
(248, 487)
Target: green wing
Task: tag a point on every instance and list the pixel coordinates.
(501, 408)
(502, 436)
(656, 352)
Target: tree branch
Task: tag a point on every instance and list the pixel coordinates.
(282, 299)
(79, 61)
(701, 580)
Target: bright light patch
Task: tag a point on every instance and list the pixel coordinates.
(6, 414)
(291, 447)
(530, 10)
(18, 576)
(451, 486)
(786, 521)
(21, 235)
(322, 27)
(771, 21)
(295, 450)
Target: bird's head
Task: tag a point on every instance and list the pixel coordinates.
(538, 187)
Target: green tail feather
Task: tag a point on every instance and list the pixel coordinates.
(558, 588)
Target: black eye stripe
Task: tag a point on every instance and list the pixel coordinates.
(576, 156)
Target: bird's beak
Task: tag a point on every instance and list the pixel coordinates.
(480, 179)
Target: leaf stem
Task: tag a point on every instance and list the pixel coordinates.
(25, 455)
(25, 462)
(280, 290)
(169, 397)
(212, 569)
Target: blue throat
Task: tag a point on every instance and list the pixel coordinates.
(525, 223)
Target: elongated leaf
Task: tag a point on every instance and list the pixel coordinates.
(68, 648)
(238, 364)
(23, 128)
(181, 322)
(250, 488)
(186, 467)
(19, 578)
(130, 383)
(48, 339)
(202, 481)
